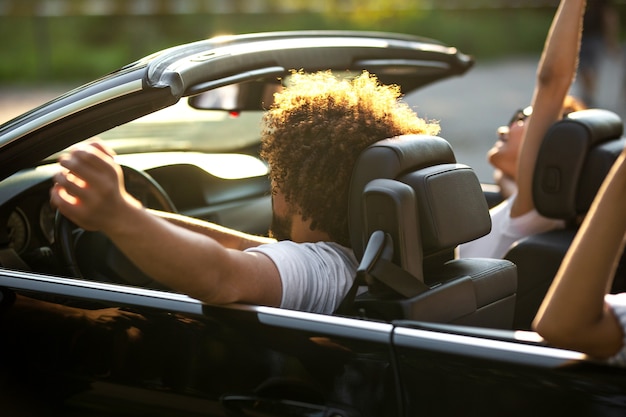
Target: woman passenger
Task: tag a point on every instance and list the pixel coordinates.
(516, 217)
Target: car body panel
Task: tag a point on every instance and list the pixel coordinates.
(548, 382)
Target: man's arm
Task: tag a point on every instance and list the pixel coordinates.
(228, 238)
(555, 74)
(90, 192)
(573, 314)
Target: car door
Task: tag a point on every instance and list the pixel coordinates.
(452, 370)
(84, 348)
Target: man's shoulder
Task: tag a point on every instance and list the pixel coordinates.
(322, 250)
(288, 245)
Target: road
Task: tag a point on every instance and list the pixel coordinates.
(469, 108)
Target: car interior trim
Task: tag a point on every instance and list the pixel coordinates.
(242, 77)
(395, 63)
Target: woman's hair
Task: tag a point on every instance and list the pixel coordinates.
(572, 104)
(314, 132)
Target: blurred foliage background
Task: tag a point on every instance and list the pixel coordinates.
(78, 40)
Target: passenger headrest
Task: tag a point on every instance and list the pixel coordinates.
(575, 156)
(450, 206)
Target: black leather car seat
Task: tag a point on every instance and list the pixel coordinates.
(410, 205)
(575, 156)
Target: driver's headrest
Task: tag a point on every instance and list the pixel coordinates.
(445, 199)
(575, 157)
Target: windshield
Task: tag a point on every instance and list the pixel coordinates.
(185, 128)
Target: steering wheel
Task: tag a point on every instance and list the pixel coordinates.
(92, 255)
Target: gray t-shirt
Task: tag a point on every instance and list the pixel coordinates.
(617, 302)
(315, 276)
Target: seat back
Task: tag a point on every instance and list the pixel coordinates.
(410, 205)
(574, 158)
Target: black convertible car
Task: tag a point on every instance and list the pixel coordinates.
(84, 333)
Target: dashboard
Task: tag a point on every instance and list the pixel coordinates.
(25, 209)
(21, 229)
(176, 185)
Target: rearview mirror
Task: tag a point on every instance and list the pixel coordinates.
(254, 95)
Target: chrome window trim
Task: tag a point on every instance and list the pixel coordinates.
(372, 331)
(99, 291)
(483, 348)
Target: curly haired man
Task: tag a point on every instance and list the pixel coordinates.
(311, 138)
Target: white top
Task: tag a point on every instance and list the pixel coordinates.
(315, 276)
(506, 230)
(617, 302)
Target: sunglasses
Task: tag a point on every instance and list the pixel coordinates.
(521, 115)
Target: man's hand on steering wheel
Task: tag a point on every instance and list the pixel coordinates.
(89, 190)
